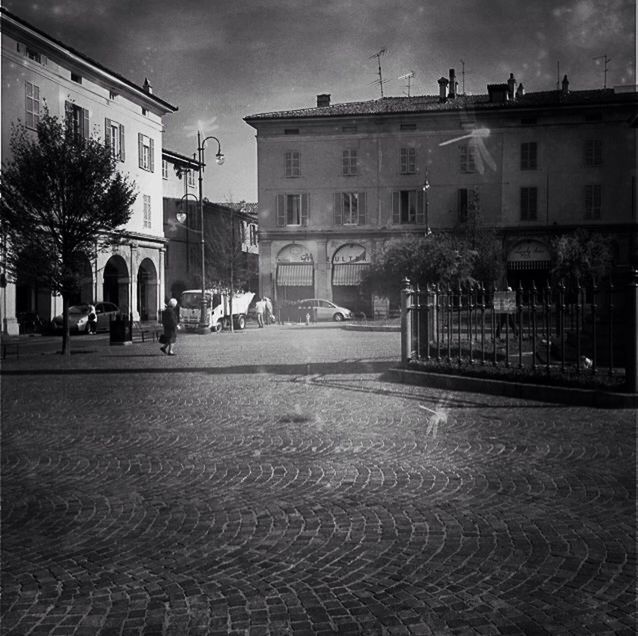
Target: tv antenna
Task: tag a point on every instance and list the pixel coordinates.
(408, 77)
(605, 66)
(380, 80)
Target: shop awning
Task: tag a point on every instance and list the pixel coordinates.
(528, 265)
(348, 274)
(294, 275)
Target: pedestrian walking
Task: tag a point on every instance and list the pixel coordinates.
(260, 308)
(269, 317)
(506, 319)
(169, 322)
(92, 318)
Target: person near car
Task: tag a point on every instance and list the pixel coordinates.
(260, 308)
(169, 322)
(269, 317)
(92, 318)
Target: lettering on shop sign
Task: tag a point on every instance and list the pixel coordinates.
(350, 254)
(294, 254)
(529, 251)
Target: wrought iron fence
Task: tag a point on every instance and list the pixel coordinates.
(574, 330)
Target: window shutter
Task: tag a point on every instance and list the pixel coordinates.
(122, 155)
(462, 204)
(420, 207)
(85, 123)
(107, 132)
(68, 113)
(338, 211)
(140, 149)
(152, 158)
(396, 208)
(362, 208)
(281, 211)
(305, 204)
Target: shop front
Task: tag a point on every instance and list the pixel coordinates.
(349, 263)
(294, 276)
(528, 261)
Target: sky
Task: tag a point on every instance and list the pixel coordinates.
(221, 60)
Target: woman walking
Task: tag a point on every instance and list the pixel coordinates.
(169, 322)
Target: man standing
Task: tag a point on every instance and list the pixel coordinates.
(260, 308)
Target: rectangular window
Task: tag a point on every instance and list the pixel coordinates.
(593, 152)
(529, 156)
(253, 234)
(467, 159)
(408, 207)
(146, 151)
(292, 163)
(76, 78)
(350, 208)
(78, 118)
(191, 179)
(164, 169)
(147, 211)
(462, 204)
(349, 163)
(292, 209)
(31, 54)
(408, 160)
(32, 105)
(114, 136)
(593, 201)
(529, 204)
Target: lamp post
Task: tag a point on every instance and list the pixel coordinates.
(426, 188)
(219, 157)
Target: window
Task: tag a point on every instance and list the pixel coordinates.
(292, 209)
(147, 211)
(529, 204)
(31, 54)
(593, 201)
(349, 163)
(467, 158)
(145, 111)
(78, 118)
(468, 203)
(408, 207)
(112, 95)
(529, 156)
(462, 204)
(76, 78)
(350, 208)
(593, 152)
(146, 151)
(164, 169)
(253, 234)
(408, 160)
(291, 164)
(190, 180)
(114, 136)
(32, 105)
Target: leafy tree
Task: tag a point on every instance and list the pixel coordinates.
(61, 200)
(582, 257)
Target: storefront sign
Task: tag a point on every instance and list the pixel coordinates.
(505, 302)
(529, 251)
(351, 253)
(294, 254)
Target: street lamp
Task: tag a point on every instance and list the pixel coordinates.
(219, 157)
(426, 188)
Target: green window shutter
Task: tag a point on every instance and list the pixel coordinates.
(338, 211)
(122, 154)
(281, 210)
(85, 123)
(420, 207)
(305, 211)
(140, 149)
(107, 132)
(396, 208)
(152, 159)
(362, 208)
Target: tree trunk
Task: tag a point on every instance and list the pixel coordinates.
(66, 340)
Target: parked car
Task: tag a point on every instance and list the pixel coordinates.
(320, 309)
(79, 317)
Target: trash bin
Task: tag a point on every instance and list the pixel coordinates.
(121, 331)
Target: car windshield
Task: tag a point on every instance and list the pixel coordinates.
(79, 309)
(193, 300)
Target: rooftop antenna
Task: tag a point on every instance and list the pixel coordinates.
(606, 64)
(408, 76)
(380, 80)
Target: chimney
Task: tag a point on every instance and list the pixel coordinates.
(443, 82)
(511, 87)
(323, 100)
(453, 84)
(520, 91)
(146, 87)
(565, 90)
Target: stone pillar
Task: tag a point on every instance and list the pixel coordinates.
(10, 326)
(323, 271)
(406, 321)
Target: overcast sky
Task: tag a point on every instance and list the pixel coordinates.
(220, 60)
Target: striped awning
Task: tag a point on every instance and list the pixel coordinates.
(528, 265)
(348, 274)
(294, 275)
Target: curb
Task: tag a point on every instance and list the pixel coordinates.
(538, 392)
(372, 328)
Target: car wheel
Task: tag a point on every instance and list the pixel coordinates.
(240, 322)
(338, 317)
(217, 327)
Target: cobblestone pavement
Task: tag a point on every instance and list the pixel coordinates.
(273, 482)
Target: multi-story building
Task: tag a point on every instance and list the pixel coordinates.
(39, 71)
(229, 229)
(337, 181)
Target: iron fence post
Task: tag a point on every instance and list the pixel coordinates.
(406, 322)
